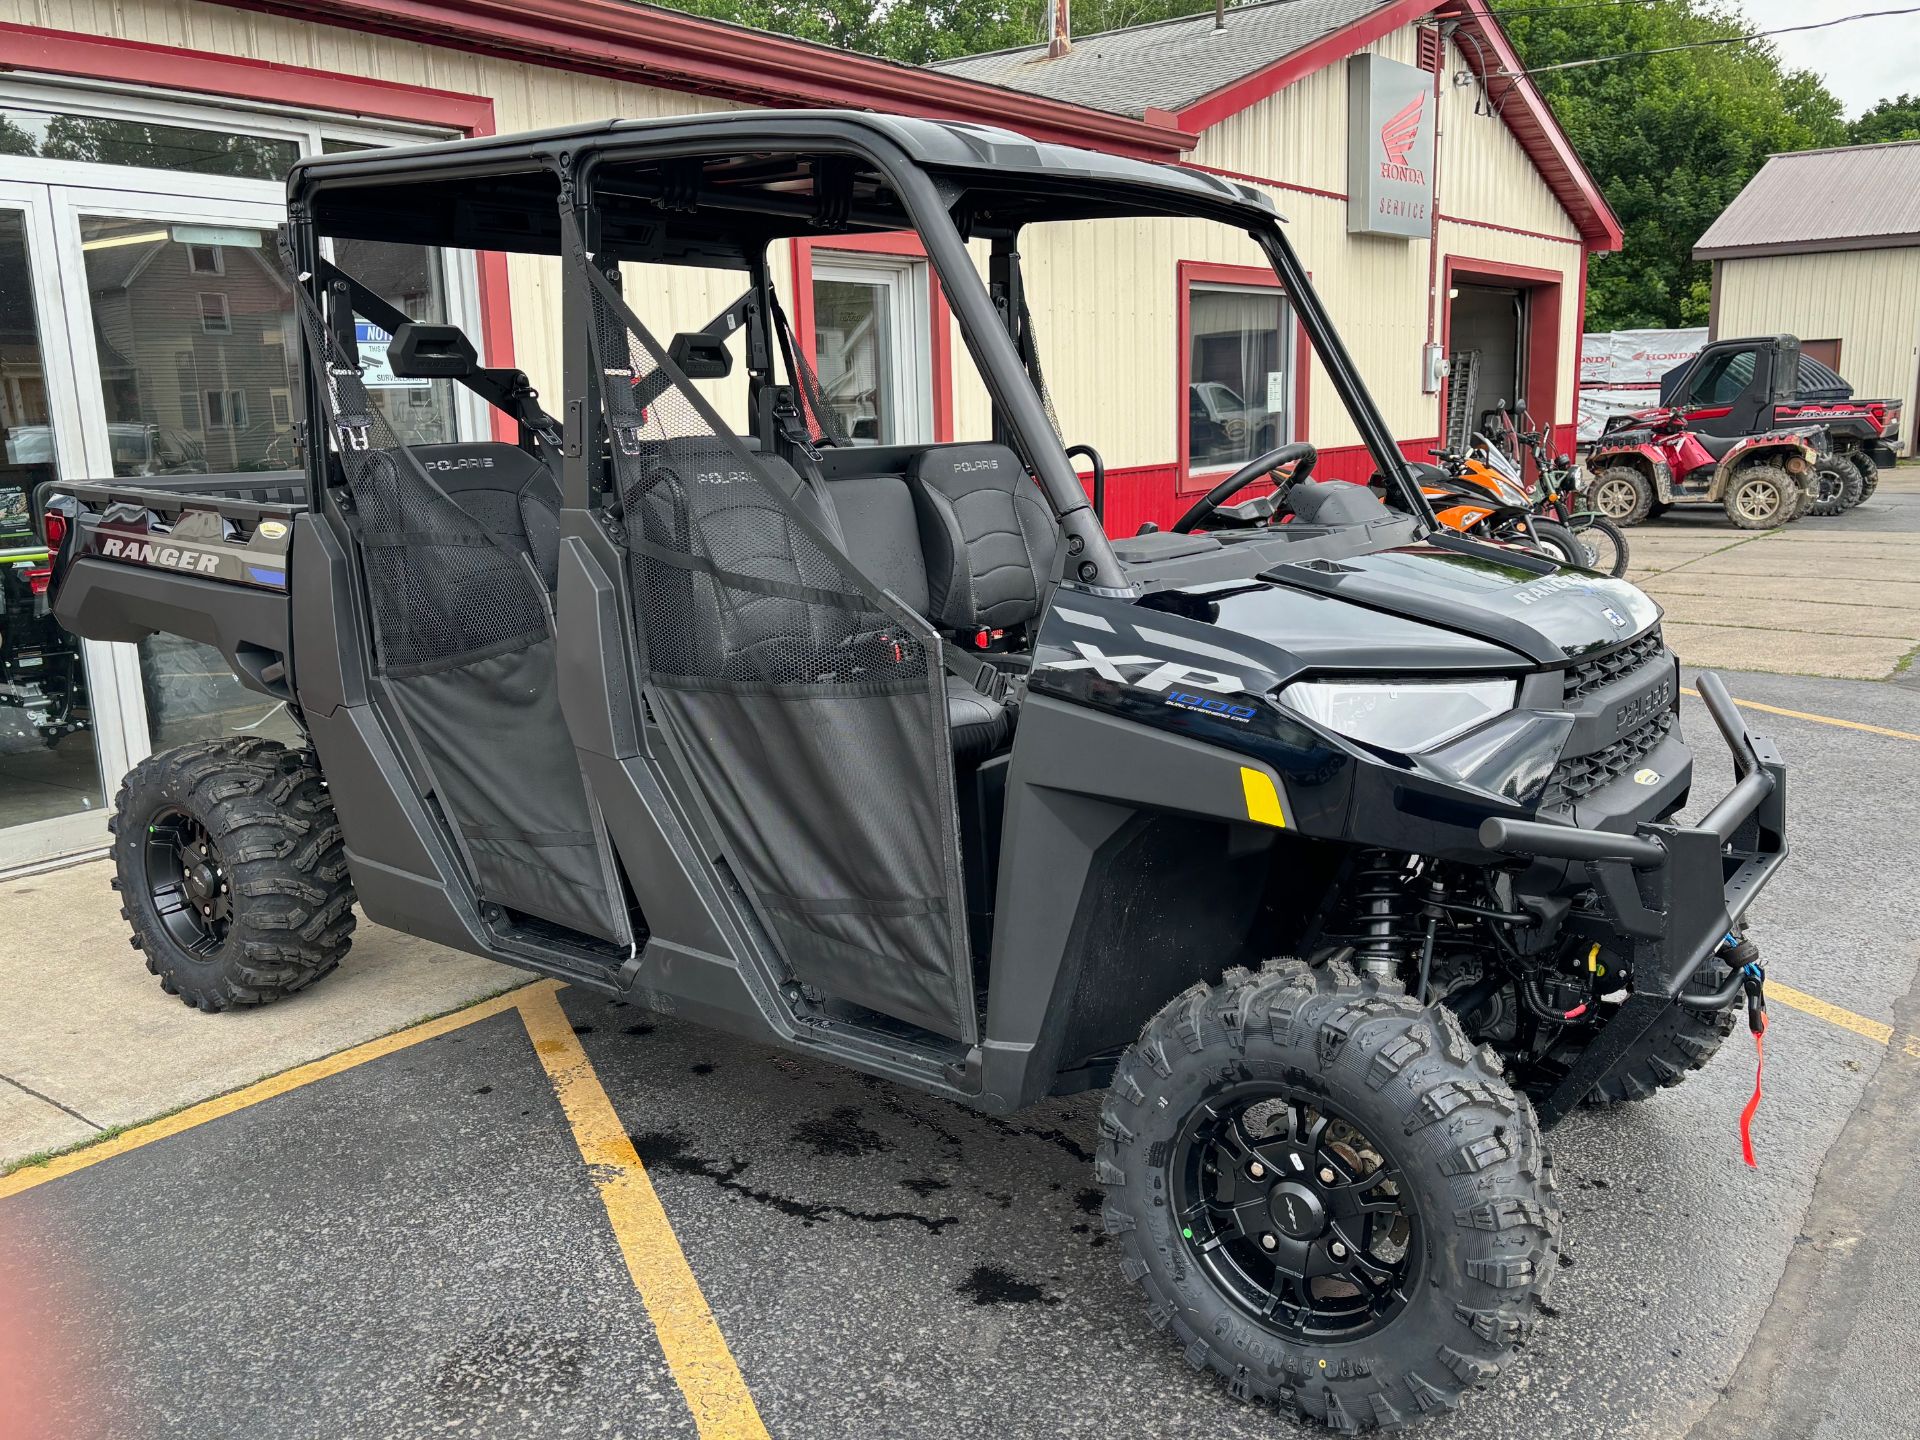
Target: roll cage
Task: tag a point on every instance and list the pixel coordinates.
(730, 185)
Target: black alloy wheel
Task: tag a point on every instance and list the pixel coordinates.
(1298, 1217)
(187, 883)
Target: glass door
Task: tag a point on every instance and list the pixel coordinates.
(53, 756)
(186, 358)
(873, 347)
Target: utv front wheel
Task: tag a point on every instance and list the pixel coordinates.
(231, 871)
(1330, 1197)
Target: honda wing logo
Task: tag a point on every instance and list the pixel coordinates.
(1397, 137)
(1160, 674)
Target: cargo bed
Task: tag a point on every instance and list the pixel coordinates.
(205, 557)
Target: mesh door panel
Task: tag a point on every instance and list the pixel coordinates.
(461, 639)
(810, 707)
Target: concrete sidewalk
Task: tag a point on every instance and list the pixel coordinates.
(92, 1043)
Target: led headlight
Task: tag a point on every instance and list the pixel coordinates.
(1403, 715)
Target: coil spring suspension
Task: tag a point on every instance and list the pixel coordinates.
(1384, 938)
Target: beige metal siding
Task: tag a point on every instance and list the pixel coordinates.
(1869, 300)
(1104, 295)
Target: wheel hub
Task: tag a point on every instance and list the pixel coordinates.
(1298, 1213)
(187, 883)
(1298, 1218)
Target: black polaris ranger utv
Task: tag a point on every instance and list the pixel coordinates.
(1320, 838)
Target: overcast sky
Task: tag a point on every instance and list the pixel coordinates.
(1862, 61)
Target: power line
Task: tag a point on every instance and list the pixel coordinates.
(1702, 44)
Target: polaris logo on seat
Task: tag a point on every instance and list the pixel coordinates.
(470, 462)
(1161, 674)
(145, 552)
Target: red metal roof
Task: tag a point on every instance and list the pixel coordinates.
(674, 51)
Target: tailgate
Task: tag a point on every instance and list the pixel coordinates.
(209, 563)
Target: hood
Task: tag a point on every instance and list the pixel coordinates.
(1548, 613)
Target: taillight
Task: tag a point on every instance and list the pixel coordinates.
(1878, 414)
(54, 526)
(40, 579)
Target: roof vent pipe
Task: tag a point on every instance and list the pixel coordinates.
(1062, 39)
(1219, 14)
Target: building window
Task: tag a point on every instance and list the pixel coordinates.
(1239, 374)
(215, 318)
(206, 260)
(282, 403)
(226, 409)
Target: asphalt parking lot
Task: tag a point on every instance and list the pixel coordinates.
(570, 1217)
(638, 1227)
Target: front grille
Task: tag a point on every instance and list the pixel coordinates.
(1589, 675)
(1578, 776)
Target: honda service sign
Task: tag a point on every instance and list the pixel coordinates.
(1390, 125)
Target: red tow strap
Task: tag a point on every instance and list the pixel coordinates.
(1746, 1115)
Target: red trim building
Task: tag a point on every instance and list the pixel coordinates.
(1511, 219)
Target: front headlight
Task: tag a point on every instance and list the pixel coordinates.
(1403, 715)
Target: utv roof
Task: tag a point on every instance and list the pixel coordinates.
(1055, 181)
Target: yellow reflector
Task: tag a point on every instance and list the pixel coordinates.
(1263, 801)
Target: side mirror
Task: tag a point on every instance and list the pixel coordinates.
(421, 351)
(701, 356)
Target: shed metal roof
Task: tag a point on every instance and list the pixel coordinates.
(1858, 197)
(1167, 65)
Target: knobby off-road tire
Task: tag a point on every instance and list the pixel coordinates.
(1558, 543)
(1869, 474)
(1831, 478)
(231, 871)
(1462, 1149)
(1679, 1043)
(1762, 497)
(1621, 494)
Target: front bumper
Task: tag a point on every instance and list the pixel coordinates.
(1672, 892)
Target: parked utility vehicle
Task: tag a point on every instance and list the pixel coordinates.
(1320, 844)
(1763, 383)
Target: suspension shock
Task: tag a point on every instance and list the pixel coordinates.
(1383, 914)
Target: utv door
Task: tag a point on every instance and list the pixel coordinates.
(805, 705)
(1727, 391)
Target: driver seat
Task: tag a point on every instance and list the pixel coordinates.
(988, 537)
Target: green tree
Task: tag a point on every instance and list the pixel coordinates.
(922, 33)
(1670, 138)
(1896, 119)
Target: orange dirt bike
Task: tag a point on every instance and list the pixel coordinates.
(1481, 493)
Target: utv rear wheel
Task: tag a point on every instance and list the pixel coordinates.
(231, 871)
(1869, 474)
(1330, 1197)
(1762, 497)
(1622, 494)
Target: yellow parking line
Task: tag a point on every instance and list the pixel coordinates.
(1817, 719)
(696, 1351)
(1813, 1005)
(30, 1176)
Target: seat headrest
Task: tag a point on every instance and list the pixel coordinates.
(988, 534)
(957, 469)
(477, 465)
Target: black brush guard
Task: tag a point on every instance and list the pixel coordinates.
(1674, 892)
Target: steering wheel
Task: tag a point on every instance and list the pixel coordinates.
(1299, 451)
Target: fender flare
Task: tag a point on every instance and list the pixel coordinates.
(1756, 445)
(1640, 457)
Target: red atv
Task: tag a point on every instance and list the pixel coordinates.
(1763, 480)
